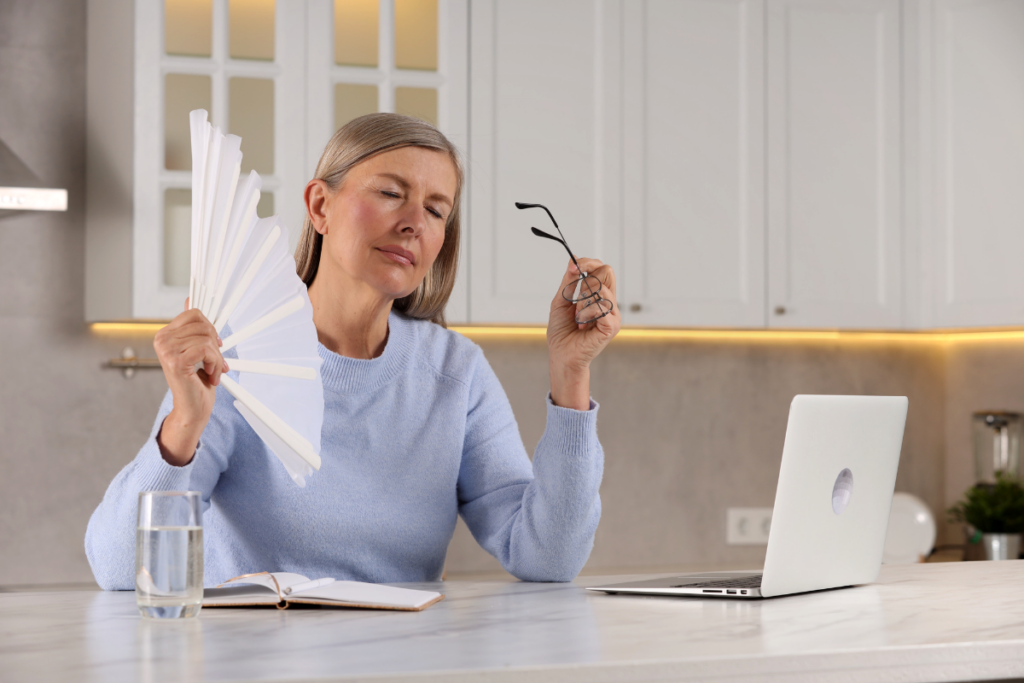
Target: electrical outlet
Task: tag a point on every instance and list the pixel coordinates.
(748, 526)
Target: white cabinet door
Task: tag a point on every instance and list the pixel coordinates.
(974, 211)
(694, 163)
(834, 163)
(544, 122)
(153, 295)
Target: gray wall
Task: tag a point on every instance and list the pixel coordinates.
(65, 424)
(688, 428)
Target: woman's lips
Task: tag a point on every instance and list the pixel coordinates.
(399, 255)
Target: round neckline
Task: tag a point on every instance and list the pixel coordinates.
(353, 375)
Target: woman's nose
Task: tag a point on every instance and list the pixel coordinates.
(414, 221)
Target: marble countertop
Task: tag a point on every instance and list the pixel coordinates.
(937, 622)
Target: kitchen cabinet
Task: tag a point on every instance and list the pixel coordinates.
(834, 162)
(742, 163)
(970, 171)
(285, 83)
(745, 196)
(693, 103)
(640, 125)
(545, 129)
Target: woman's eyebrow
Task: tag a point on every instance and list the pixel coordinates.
(397, 178)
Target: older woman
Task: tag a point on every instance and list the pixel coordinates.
(417, 428)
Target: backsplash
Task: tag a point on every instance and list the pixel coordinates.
(692, 428)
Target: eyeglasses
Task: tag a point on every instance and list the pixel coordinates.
(586, 289)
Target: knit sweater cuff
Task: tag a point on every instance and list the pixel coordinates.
(573, 431)
(156, 474)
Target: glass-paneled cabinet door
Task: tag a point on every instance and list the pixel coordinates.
(403, 56)
(243, 61)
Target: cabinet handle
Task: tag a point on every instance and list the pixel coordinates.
(635, 308)
(780, 310)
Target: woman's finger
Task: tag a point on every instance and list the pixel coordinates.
(200, 350)
(208, 356)
(192, 328)
(606, 325)
(196, 336)
(602, 272)
(190, 317)
(169, 343)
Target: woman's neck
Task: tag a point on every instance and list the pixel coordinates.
(351, 318)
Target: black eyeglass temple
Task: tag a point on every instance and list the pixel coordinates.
(524, 205)
(541, 233)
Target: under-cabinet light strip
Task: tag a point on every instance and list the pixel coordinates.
(653, 334)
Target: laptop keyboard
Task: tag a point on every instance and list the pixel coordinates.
(741, 582)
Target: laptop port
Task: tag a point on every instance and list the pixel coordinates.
(744, 592)
(712, 590)
(731, 592)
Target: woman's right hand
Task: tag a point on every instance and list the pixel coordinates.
(190, 339)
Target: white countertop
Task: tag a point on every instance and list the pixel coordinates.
(936, 622)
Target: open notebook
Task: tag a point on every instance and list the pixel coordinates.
(282, 589)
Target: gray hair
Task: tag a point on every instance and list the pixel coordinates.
(357, 141)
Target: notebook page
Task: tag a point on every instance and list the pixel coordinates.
(240, 594)
(356, 592)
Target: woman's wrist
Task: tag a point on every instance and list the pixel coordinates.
(570, 388)
(178, 438)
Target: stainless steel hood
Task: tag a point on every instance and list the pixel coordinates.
(21, 190)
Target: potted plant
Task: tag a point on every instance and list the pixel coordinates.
(996, 514)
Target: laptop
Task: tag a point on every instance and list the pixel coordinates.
(831, 506)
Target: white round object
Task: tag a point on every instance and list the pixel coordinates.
(911, 533)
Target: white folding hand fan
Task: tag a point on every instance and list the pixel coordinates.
(243, 277)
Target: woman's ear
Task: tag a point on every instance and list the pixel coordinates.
(316, 204)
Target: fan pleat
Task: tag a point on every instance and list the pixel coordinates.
(244, 281)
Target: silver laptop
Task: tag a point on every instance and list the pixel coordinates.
(831, 505)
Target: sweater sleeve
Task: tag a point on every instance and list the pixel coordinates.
(538, 520)
(110, 536)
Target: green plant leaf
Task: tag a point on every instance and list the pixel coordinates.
(992, 508)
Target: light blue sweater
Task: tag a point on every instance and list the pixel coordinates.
(410, 440)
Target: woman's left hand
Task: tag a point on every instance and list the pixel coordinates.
(572, 347)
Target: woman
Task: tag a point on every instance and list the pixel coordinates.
(416, 430)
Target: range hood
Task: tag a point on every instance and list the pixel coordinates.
(21, 190)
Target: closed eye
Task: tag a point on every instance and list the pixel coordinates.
(389, 193)
(437, 214)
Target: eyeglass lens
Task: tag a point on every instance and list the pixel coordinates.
(585, 292)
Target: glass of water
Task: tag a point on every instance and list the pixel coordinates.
(169, 554)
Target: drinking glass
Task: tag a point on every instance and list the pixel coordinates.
(169, 554)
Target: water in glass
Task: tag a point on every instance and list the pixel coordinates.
(169, 555)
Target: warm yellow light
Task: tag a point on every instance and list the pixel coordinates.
(129, 328)
(488, 332)
(981, 335)
(721, 336)
(649, 334)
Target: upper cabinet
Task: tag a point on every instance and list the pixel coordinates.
(545, 127)
(970, 56)
(693, 166)
(282, 74)
(243, 63)
(740, 166)
(835, 225)
(741, 163)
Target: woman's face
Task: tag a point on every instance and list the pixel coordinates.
(385, 225)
